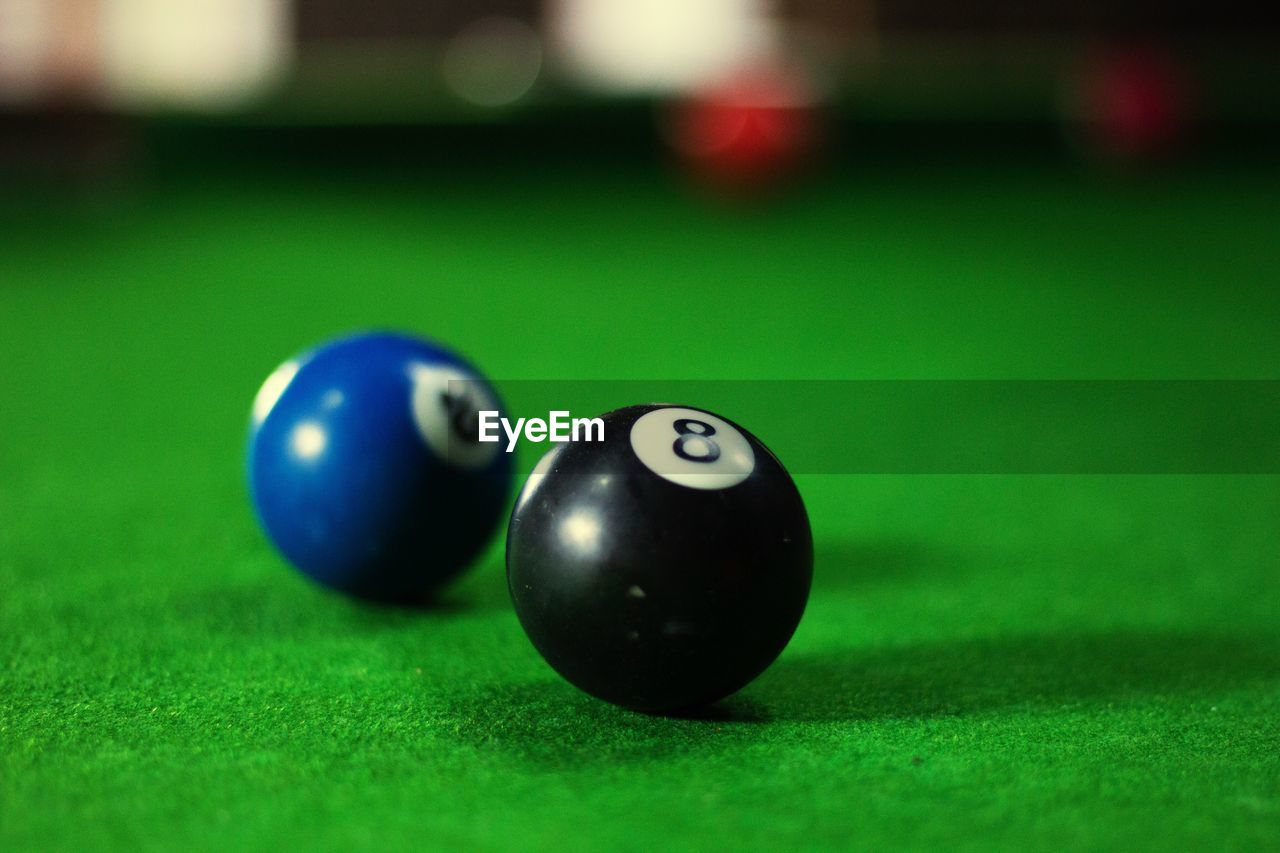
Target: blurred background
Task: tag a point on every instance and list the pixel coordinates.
(92, 90)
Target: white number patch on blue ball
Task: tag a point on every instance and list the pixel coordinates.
(692, 448)
(446, 406)
(272, 389)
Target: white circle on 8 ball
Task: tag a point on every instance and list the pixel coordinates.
(692, 448)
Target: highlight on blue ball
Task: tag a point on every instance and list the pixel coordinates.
(364, 466)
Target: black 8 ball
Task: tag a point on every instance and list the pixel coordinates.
(664, 567)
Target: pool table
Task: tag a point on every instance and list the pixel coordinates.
(1007, 659)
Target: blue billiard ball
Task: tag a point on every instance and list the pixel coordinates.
(364, 468)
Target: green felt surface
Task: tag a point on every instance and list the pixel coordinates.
(1089, 662)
